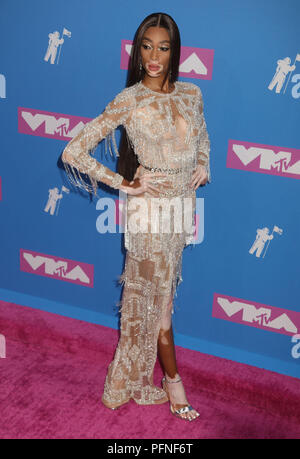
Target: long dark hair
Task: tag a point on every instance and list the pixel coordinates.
(128, 161)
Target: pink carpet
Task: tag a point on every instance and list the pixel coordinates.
(53, 375)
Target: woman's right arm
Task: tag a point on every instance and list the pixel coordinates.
(77, 153)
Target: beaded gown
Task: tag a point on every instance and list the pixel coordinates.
(169, 136)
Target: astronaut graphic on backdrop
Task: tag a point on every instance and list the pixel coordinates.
(54, 196)
(263, 236)
(282, 70)
(54, 42)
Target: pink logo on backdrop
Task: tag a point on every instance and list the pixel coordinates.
(194, 62)
(267, 159)
(256, 314)
(47, 124)
(57, 268)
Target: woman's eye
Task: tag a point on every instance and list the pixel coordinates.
(162, 48)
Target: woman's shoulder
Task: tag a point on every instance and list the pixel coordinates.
(127, 93)
(123, 100)
(189, 88)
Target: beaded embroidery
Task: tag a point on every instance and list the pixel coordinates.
(168, 133)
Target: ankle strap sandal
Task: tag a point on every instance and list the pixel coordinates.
(178, 412)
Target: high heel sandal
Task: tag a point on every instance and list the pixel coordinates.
(178, 412)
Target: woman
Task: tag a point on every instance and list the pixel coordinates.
(164, 157)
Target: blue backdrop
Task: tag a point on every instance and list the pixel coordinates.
(248, 38)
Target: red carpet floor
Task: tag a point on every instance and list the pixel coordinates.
(53, 374)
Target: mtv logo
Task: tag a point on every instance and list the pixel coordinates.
(47, 124)
(57, 267)
(256, 315)
(266, 159)
(194, 62)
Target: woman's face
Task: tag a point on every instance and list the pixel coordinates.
(155, 51)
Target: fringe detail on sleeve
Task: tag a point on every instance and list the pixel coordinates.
(76, 177)
(77, 180)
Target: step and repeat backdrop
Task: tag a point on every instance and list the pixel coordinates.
(62, 250)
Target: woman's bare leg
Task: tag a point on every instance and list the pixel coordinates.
(166, 352)
(166, 348)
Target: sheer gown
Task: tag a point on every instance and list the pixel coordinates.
(169, 136)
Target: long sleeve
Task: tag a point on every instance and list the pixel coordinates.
(77, 153)
(203, 142)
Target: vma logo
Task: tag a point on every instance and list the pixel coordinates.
(47, 124)
(256, 314)
(194, 62)
(267, 159)
(57, 268)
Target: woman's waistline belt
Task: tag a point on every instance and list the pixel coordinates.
(159, 169)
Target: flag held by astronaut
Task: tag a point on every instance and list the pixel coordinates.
(277, 230)
(67, 32)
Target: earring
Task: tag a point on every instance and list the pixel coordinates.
(141, 67)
